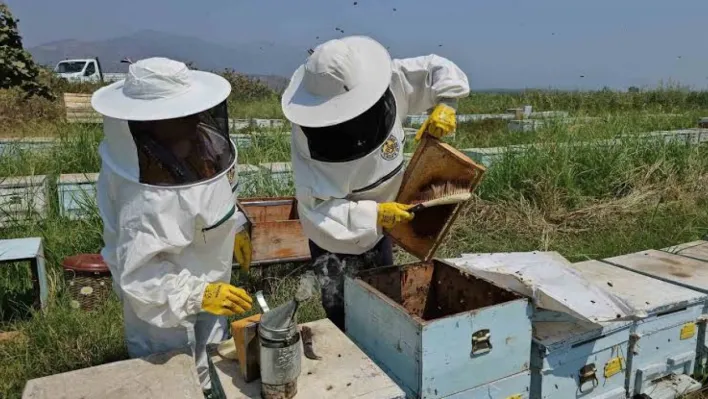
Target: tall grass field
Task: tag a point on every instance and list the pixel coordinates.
(565, 194)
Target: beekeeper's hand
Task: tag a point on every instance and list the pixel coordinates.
(223, 299)
(243, 250)
(392, 213)
(441, 122)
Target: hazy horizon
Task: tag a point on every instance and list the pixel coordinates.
(506, 44)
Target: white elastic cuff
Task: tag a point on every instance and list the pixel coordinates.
(450, 102)
(194, 302)
(365, 214)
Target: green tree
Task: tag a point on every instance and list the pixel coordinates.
(17, 69)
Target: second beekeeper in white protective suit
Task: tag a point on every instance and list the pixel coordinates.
(347, 105)
(167, 197)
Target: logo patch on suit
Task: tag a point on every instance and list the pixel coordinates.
(231, 175)
(390, 148)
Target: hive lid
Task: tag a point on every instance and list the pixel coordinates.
(86, 263)
(686, 268)
(561, 330)
(433, 162)
(547, 278)
(643, 293)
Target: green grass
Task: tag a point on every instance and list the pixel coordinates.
(584, 202)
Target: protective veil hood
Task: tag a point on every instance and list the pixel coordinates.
(165, 124)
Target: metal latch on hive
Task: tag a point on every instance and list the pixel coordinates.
(481, 342)
(587, 373)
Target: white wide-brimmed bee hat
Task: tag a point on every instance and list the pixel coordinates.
(160, 88)
(340, 80)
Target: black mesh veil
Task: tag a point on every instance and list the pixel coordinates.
(183, 150)
(354, 138)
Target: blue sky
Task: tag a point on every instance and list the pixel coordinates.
(499, 43)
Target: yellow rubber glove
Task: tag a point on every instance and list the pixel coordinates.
(243, 251)
(392, 213)
(223, 299)
(441, 122)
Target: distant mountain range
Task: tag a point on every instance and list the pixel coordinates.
(268, 62)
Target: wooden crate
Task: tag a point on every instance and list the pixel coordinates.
(438, 331)
(79, 109)
(432, 162)
(277, 235)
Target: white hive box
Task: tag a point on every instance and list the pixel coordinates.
(247, 179)
(525, 125)
(572, 358)
(685, 265)
(23, 198)
(242, 141)
(77, 194)
(280, 174)
(440, 332)
(663, 343)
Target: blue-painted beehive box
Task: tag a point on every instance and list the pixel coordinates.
(441, 332)
(663, 342)
(691, 272)
(77, 194)
(572, 358)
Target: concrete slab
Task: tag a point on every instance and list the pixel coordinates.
(343, 372)
(169, 375)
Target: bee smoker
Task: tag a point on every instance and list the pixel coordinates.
(280, 353)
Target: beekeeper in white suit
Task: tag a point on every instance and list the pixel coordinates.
(347, 104)
(166, 194)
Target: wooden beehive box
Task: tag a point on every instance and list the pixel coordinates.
(277, 235)
(79, 109)
(438, 331)
(433, 162)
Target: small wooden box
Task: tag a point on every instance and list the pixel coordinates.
(437, 330)
(277, 235)
(571, 358)
(664, 341)
(433, 162)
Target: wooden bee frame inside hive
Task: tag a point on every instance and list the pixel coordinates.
(433, 162)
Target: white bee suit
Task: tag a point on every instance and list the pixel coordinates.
(337, 201)
(165, 243)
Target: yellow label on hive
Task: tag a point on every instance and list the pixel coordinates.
(688, 330)
(613, 366)
(517, 396)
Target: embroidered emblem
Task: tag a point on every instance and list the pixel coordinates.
(231, 175)
(390, 148)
